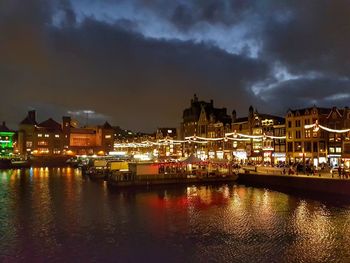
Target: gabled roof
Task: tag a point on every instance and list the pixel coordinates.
(3, 128)
(51, 125)
(106, 125)
(28, 121)
(339, 112)
(303, 111)
(193, 113)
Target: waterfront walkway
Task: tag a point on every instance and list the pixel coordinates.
(278, 171)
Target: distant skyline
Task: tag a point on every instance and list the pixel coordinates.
(137, 63)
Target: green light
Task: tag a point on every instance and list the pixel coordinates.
(6, 143)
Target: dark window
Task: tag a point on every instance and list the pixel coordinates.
(307, 146)
(322, 146)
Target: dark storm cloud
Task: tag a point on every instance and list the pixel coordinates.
(316, 37)
(137, 63)
(308, 92)
(139, 82)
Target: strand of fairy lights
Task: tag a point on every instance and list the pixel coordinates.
(316, 126)
(202, 140)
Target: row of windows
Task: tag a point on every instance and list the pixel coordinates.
(40, 135)
(335, 149)
(307, 134)
(298, 123)
(308, 146)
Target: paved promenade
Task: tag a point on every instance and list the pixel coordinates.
(260, 170)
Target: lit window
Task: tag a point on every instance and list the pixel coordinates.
(57, 136)
(338, 149)
(47, 135)
(108, 136)
(40, 135)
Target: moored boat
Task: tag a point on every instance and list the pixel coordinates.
(98, 170)
(153, 173)
(20, 163)
(14, 163)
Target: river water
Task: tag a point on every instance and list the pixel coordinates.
(57, 215)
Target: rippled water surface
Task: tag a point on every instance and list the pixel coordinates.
(55, 215)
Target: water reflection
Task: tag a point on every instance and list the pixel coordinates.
(56, 214)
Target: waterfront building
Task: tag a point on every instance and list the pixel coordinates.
(338, 144)
(256, 124)
(279, 145)
(308, 146)
(50, 138)
(202, 119)
(6, 141)
(166, 146)
(39, 138)
(87, 140)
(130, 143)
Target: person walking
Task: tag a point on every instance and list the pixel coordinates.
(339, 171)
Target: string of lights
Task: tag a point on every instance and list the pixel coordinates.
(235, 134)
(316, 126)
(200, 140)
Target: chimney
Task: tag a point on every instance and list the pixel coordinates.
(3, 123)
(32, 115)
(212, 103)
(66, 122)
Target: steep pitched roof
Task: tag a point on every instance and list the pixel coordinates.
(193, 113)
(51, 125)
(3, 128)
(28, 121)
(106, 125)
(304, 110)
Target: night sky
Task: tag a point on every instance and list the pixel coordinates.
(137, 64)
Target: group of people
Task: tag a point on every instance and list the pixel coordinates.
(342, 173)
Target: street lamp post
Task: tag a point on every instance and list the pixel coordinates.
(304, 162)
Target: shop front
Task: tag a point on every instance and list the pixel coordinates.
(278, 157)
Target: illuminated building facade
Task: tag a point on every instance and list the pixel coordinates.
(87, 140)
(260, 125)
(338, 144)
(279, 145)
(204, 120)
(6, 141)
(167, 148)
(307, 146)
(50, 138)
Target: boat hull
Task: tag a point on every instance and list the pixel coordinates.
(172, 181)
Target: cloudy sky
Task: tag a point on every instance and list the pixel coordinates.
(137, 63)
